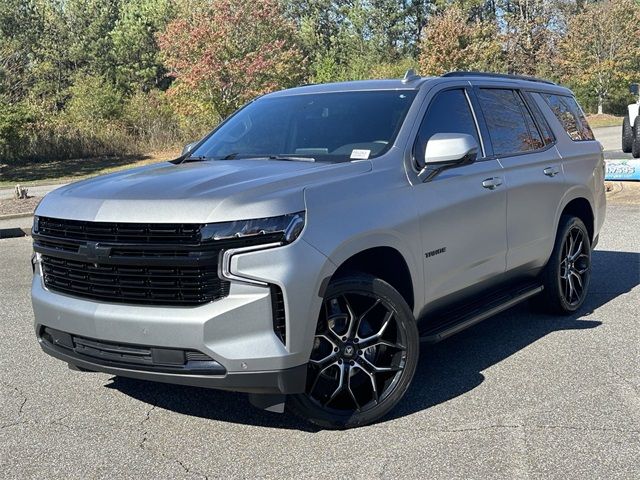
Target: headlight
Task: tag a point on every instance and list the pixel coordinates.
(284, 229)
(36, 224)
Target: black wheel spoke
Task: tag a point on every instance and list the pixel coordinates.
(353, 396)
(385, 343)
(319, 374)
(574, 266)
(348, 372)
(373, 369)
(342, 381)
(372, 379)
(364, 315)
(364, 342)
(352, 321)
(323, 362)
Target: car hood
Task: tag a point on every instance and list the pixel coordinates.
(195, 192)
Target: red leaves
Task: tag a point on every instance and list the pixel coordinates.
(231, 51)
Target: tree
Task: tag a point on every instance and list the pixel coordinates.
(452, 43)
(600, 51)
(227, 52)
(529, 35)
(18, 34)
(136, 56)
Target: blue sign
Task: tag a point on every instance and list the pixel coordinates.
(622, 170)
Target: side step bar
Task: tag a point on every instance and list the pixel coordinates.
(467, 317)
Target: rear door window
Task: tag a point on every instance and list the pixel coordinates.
(570, 115)
(511, 127)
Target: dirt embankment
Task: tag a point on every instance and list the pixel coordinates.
(623, 193)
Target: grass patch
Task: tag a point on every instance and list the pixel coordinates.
(44, 172)
(604, 120)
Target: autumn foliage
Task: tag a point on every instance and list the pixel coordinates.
(86, 78)
(601, 49)
(230, 51)
(451, 43)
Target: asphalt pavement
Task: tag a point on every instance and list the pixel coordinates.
(520, 396)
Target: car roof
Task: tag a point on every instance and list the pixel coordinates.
(352, 86)
(415, 82)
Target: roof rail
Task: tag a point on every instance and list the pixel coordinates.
(505, 76)
(410, 76)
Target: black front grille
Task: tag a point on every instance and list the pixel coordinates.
(162, 264)
(101, 352)
(134, 284)
(145, 233)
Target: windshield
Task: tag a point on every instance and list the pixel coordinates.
(332, 127)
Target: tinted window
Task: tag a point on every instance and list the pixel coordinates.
(448, 112)
(566, 110)
(543, 126)
(511, 127)
(326, 126)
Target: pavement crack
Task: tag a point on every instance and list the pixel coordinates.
(540, 427)
(58, 422)
(12, 424)
(624, 379)
(146, 418)
(20, 393)
(584, 429)
(148, 414)
(474, 429)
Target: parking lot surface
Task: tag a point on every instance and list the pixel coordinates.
(522, 395)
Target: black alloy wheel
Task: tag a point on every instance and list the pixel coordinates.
(364, 354)
(575, 266)
(567, 274)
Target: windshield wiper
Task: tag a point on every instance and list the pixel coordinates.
(237, 155)
(199, 158)
(292, 158)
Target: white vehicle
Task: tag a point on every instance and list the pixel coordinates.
(631, 125)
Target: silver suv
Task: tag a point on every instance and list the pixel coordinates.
(304, 249)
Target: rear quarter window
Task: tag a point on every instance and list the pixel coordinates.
(570, 115)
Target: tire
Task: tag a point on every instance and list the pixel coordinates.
(348, 385)
(567, 274)
(627, 135)
(635, 147)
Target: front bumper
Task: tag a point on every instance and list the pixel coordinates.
(236, 331)
(212, 375)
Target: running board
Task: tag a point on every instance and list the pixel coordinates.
(468, 316)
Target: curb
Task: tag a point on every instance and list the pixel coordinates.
(11, 216)
(15, 232)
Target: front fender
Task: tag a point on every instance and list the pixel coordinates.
(366, 241)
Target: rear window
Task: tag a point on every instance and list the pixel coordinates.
(570, 115)
(511, 127)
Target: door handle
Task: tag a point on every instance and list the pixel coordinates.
(492, 183)
(551, 171)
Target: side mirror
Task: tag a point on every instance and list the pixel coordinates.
(188, 147)
(447, 150)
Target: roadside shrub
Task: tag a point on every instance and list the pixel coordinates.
(150, 118)
(55, 138)
(14, 119)
(93, 103)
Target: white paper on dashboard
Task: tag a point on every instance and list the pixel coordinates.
(360, 154)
